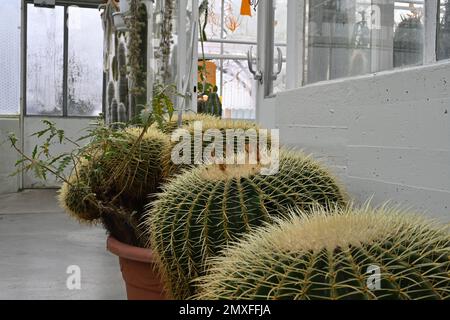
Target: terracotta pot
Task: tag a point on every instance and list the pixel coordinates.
(138, 272)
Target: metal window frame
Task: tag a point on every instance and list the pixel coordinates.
(88, 4)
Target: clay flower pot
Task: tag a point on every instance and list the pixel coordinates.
(138, 272)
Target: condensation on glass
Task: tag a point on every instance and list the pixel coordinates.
(443, 31)
(85, 62)
(10, 57)
(45, 45)
(347, 38)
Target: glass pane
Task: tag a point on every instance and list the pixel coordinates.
(237, 27)
(347, 38)
(443, 33)
(234, 81)
(236, 49)
(85, 62)
(238, 92)
(409, 33)
(280, 39)
(209, 47)
(45, 38)
(10, 61)
(213, 25)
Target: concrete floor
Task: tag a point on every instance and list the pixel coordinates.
(38, 242)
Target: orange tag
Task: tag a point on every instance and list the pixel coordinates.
(245, 8)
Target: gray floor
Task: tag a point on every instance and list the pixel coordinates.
(38, 242)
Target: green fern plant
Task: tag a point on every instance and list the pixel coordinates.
(335, 254)
(202, 210)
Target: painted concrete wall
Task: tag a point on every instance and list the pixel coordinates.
(385, 135)
(73, 127)
(8, 157)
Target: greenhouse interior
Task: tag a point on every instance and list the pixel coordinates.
(225, 150)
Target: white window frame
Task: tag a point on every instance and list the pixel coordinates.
(89, 4)
(296, 41)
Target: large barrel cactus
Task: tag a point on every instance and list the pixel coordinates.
(232, 134)
(170, 125)
(139, 161)
(346, 254)
(202, 210)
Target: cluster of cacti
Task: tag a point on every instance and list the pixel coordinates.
(115, 183)
(212, 105)
(335, 254)
(202, 210)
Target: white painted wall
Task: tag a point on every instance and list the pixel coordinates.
(8, 157)
(386, 135)
(74, 129)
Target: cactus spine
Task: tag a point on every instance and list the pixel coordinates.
(330, 255)
(202, 210)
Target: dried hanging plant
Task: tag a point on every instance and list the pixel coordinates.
(166, 42)
(137, 69)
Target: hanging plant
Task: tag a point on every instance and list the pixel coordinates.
(136, 22)
(166, 41)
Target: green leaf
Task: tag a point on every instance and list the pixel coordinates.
(33, 155)
(60, 135)
(40, 133)
(52, 161)
(12, 138)
(20, 161)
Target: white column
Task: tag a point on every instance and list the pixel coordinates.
(431, 11)
(295, 43)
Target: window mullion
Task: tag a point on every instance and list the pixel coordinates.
(431, 13)
(65, 61)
